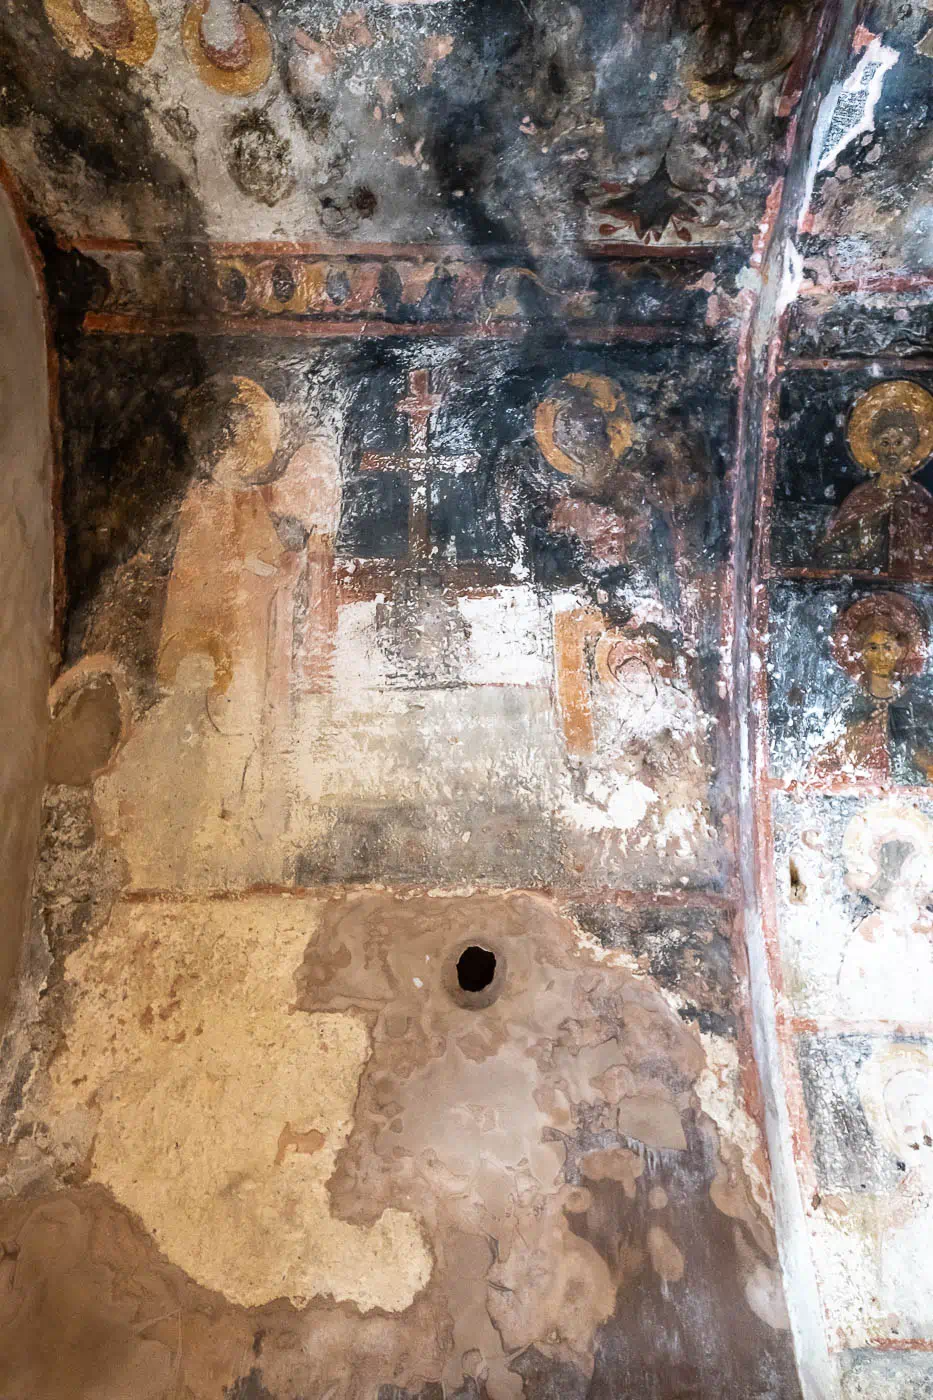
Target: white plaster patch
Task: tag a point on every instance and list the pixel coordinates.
(791, 282)
(510, 638)
(505, 640)
(849, 111)
(611, 802)
(443, 746)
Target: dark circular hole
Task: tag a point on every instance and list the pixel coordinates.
(476, 967)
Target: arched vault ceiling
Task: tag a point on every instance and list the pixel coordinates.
(528, 122)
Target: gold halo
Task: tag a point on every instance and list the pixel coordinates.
(901, 394)
(253, 440)
(608, 397)
(72, 30)
(236, 81)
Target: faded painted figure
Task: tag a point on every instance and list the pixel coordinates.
(627, 506)
(225, 654)
(896, 1087)
(887, 523)
(886, 735)
(636, 738)
(888, 851)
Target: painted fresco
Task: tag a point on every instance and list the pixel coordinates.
(872, 1121)
(846, 653)
(531, 549)
(386, 1029)
(418, 629)
(389, 807)
(401, 122)
(871, 185)
(877, 1375)
(854, 887)
(831, 320)
(850, 712)
(852, 489)
(850, 684)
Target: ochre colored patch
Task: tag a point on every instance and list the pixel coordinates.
(193, 1100)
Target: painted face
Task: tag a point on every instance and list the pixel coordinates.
(581, 431)
(893, 446)
(631, 672)
(882, 653)
(908, 1101)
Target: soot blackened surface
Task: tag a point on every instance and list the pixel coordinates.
(846, 1152)
(689, 952)
(126, 466)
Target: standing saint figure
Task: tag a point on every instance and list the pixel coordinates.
(609, 514)
(886, 523)
(896, 1089)
(219, 819)
(225, 571)
(223, 603)
(881, 642)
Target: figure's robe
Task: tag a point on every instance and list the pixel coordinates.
(873, 529)
(209, 727)
(220, 597)
(883, 742)
(307, 495)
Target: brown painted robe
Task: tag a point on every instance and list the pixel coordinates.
(875, 529)
(220, 599)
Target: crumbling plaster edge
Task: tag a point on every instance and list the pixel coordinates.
(762, 335)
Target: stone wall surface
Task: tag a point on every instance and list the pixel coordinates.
(481, 924)
(25, 608)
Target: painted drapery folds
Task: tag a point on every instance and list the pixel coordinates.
(531, 547)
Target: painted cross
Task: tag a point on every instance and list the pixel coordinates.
(419, 406)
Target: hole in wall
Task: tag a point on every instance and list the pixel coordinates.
(84, 732)
(476, 967)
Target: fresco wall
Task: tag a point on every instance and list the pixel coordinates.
(385, 1029)
(844, 708)
(387, 816)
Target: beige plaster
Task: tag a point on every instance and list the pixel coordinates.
(220, 1108)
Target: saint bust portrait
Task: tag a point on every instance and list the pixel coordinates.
(887, 522)
(584, 429)
(888, 851)
(881, 643)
